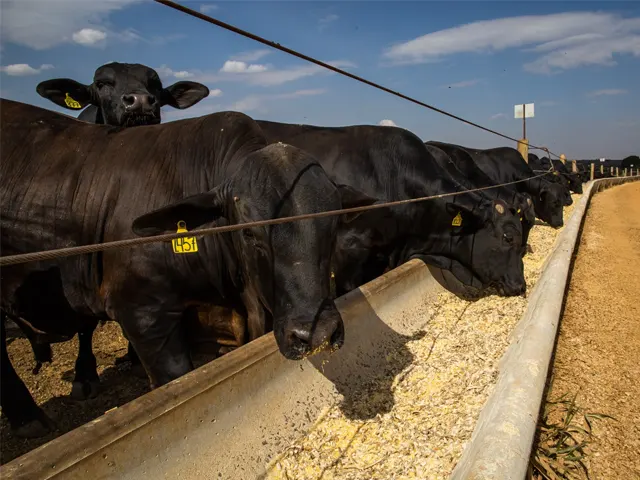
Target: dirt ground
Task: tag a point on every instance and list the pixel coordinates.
(598, 352)
(51, 387)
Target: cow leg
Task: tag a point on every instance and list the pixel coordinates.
(26, 419)
(42, 352)
(526, 229)
(160, 343)
(86, 382)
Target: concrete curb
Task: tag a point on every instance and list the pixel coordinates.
(502, 440)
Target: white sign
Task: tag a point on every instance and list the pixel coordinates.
(528, 110)
(602, 159)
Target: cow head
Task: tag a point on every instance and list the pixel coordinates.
(525, 209)
(562, 182)
(478, 250)
(288, 266)
(492, 234)
(575, 182)
(363, 241)
(124, 94)
(549, 202)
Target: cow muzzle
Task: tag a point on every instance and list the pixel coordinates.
(303, 338)
(512, 289)
(556, 222)
(140, 109)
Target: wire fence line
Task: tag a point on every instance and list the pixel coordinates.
(264, 41)
(98, 247)
(92, 248)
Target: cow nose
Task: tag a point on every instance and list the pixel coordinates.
(304, 338)
(138, 101)
(512, 287)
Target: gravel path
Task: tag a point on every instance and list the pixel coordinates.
(598, 351)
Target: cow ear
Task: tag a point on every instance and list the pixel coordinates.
(352, 198)
(462, 218)
(65, 93)
(194, 211)
(184, 94)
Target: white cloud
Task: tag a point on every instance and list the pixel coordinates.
(250, 103)
(463, 84)
(606, 91)
(166, 73)
(278, 77)
(325, 21)
(182, 74)
(208, 8)
(498, 115)
(387, 123)
(89, 37)
(270, 76)
(23, 69)
(567, 39)
(251, 56)
(215, 93)
(257, 102)
(235, 66)
(44, 24)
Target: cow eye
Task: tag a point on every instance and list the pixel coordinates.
(248, 234)
(508, 238)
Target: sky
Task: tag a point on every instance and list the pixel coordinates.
(578, 62)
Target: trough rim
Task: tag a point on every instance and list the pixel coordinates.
(502, 440)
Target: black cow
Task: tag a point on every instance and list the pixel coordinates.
(66, 182)
(505, 164)
(574, 181)
(122, 94)
(584, 171)
(477, 238)
(459, 164)
(561, 175)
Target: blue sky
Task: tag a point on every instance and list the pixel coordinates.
(579, 62)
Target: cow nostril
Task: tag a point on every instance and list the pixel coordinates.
(128, 100)
(302, 334)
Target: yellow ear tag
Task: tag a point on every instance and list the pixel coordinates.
(184, 244)
(71, 103)
(457, 220)
(518, 210)
(555, 173)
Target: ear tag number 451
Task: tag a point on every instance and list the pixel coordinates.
(184, 244)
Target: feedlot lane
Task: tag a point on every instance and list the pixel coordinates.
(598, 351)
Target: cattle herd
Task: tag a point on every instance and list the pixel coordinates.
(117, 172)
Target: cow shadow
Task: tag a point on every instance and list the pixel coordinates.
(364, 370)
